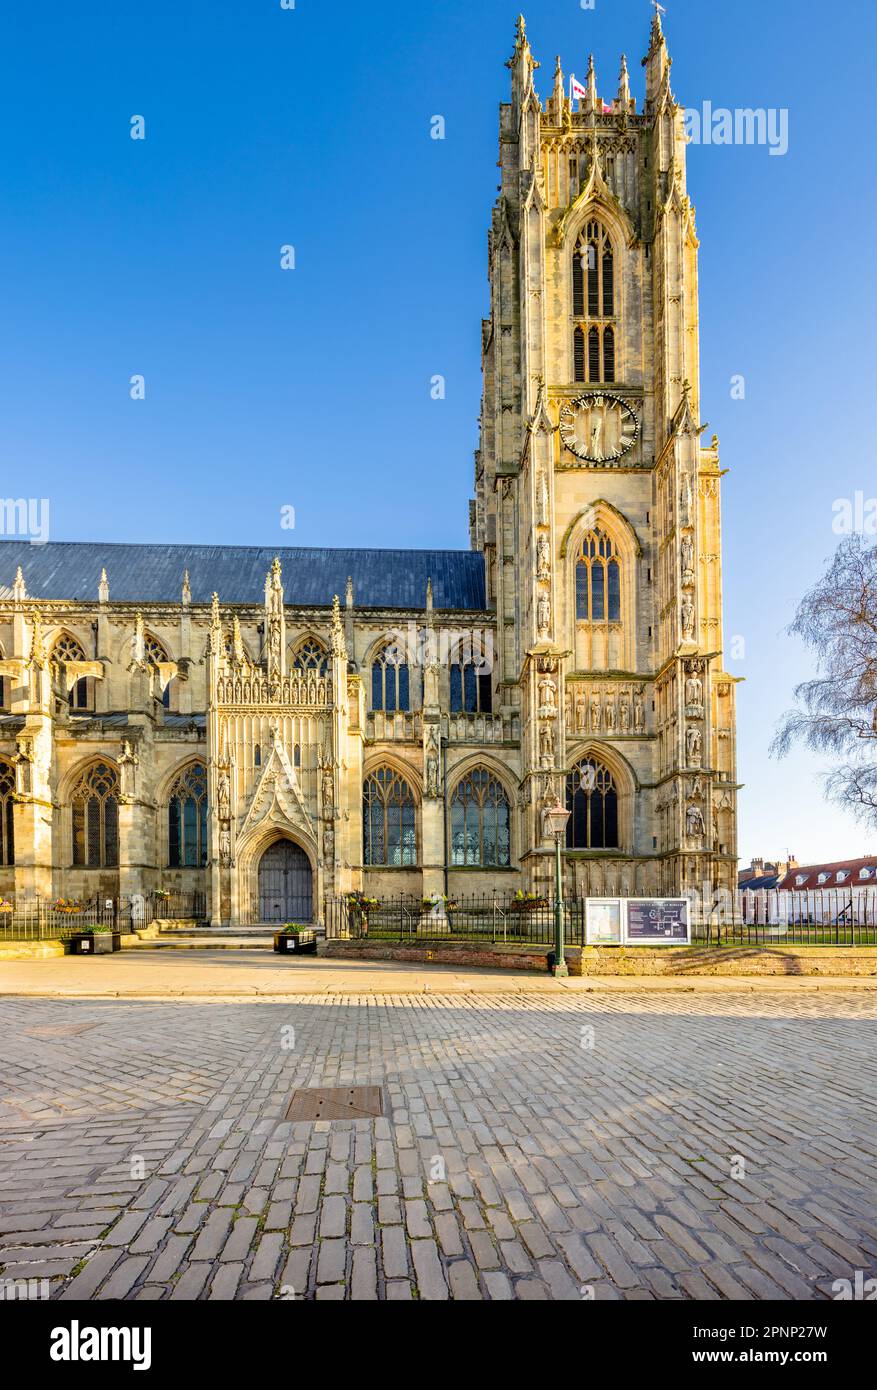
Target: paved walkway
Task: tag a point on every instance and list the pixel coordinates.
(567, 1146)
(156, 974)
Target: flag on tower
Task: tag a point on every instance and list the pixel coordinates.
(576, 91)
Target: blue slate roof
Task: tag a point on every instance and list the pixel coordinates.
(311, 577)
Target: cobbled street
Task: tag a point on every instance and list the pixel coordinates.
(634, 1146)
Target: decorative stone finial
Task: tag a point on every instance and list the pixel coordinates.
(186, 597)
(103, 588)
(19, 589)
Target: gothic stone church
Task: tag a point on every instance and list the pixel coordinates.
(270, 729)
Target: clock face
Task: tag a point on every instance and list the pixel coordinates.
(598, 428)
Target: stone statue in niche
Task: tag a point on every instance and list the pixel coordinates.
(567, 709)
(223, 796)
(686, 502)
(595, 714)
(693, 744)
(432, 764)
(687, 617)
(694, 821)
(610, 716)
(639, 712)
(543, 558)
(581, 712)
(224, 845)
(693, 688)
(328, 792)
(544, 613)
(687, 561)
(624, 714)
(328, 844)
(547, 698)
(546, 744)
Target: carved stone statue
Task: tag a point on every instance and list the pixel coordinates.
(224, 845)
(694, 690)
(567, 709)
(624, 714)
(544, 613)
(547, 697)
(610, 716)
(581, 712)
(693, 744)
(687, 561)
(595, 714)
(546, 744)
(328, 791)
(223, 796)
(639, 713)
(694, 821)
(687, 617)
(543, 558)
(432, 764)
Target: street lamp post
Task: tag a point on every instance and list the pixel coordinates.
(555, 819)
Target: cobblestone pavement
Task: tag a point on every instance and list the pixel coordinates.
(553, 1147)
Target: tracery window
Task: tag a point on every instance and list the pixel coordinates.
(7, 821)
(592, 800)
(156, 654)
(389, 819)
(187, 819)
(390, 679)
(95, 810)
(593, 302)
(471, 686)
(311, 656)
(598, 580)
(480, 820)
(67, 648)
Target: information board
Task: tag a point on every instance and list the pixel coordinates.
(604, 922)
(657, 922)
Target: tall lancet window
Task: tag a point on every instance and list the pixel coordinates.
(593, 306)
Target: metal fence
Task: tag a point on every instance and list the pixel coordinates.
(40, 919)
(486, 918)
(830, 918)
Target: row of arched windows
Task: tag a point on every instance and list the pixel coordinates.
(479, 817)
(471, 684)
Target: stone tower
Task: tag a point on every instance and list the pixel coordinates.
(597, 502)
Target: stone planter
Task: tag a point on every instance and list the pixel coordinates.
(95, 943)
(303, 943)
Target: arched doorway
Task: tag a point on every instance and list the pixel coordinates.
(285, 884)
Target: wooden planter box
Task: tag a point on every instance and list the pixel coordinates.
(304, 943)
(95, 943)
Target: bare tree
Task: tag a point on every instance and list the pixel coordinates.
(837, 712)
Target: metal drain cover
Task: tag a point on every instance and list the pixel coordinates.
(336, 1103)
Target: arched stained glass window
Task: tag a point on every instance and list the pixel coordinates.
(7, 821)
(390, 679)
(187, 819)
(593, 303)
(592, 800)
(598, 580)
(480, 820)
(389, 820)
(311, 655)
(95, 815)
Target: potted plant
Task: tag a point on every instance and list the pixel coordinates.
(527, 902)
(296, 940)
(358, 908)
(97, 940)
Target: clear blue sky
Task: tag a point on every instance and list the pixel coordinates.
(311, 388)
